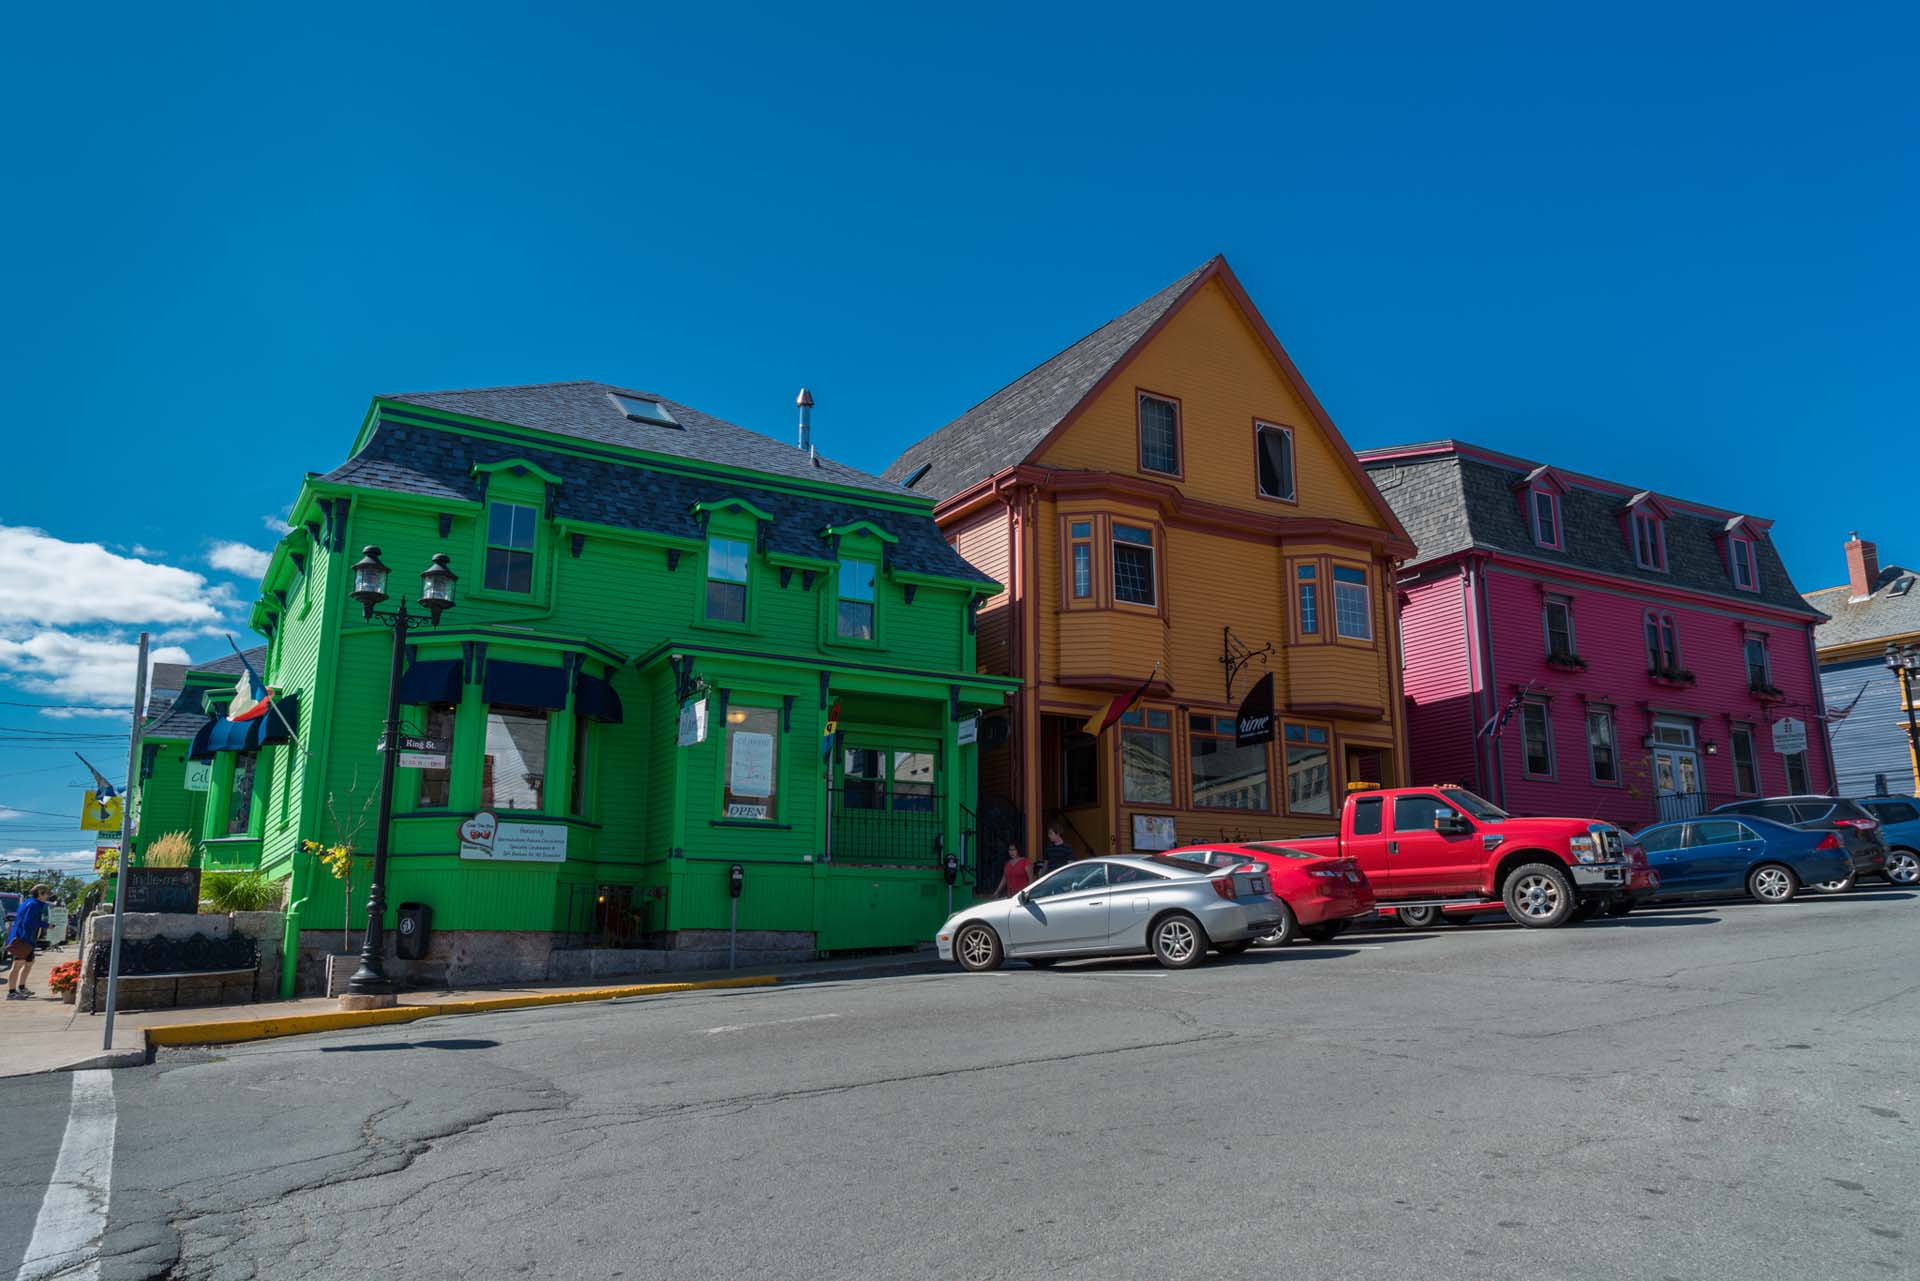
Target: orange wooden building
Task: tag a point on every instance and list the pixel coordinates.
(1166, 499)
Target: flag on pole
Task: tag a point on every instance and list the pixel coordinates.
(832, 732)
(1498, 722)
(1118, 706)
(101, 787)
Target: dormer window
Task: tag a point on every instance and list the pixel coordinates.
(510, 545)
(1746, 574)
(1544, 507)
(1649, 542)
(644, 411)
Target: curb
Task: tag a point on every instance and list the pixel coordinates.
(234, 1031)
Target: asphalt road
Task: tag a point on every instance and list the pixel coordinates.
(1705, 1092)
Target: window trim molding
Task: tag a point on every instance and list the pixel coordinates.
(1659, 541)
(1553, 757)
(1153, 546)
(1559, 541)
(1336, 636)
(1186, 733)
(1336, 796)
(1293, 462)
(1740, 549)
(1140, 394)
(1736, 731)
(1592, 710)
(830, 600)
(1547, 601)
(758, 700)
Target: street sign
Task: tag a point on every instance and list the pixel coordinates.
(1789, 736)
(417, 751)
(97, 815)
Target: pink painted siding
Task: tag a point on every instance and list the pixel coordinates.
(1609, 635)
(1440, 682)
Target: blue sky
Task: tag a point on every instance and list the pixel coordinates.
(1673, 245)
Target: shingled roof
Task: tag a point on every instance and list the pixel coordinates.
(1454, 497)
(1888, 612)
(438, 461)
(1002, 430)
(586, 411)
(184, 716)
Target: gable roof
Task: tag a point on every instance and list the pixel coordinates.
(1455, 497)
(1003, 430)
(1010, 426)
(1881, 615)
(585, 411)
(448, 460)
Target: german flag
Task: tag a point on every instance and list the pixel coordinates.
(1098, 723)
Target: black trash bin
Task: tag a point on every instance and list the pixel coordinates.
(414, 927)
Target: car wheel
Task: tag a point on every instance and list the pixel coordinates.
(1903, 867)
(1178, 942)
(1418, 918)
(1538, 895)
(1772, 883)
(977, 948)
(1233, 949)
(1326, 931)
(1284, 933)
(1840, 886)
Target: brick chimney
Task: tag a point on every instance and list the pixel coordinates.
(1863, 567)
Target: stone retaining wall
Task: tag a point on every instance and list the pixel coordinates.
(264, 928)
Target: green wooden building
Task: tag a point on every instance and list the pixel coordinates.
(657, 614)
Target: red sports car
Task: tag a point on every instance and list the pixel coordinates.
(1320, 895)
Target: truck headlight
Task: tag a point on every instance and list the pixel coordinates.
(1586, 849)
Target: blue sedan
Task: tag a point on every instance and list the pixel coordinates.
(1744, 855)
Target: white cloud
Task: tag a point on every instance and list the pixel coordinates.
(238, 558)
(47, 581)
(70, 713)
(6, 814)
(145, 552)
(275, 525)
(77, 669)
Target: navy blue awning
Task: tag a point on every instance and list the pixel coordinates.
(596, 698)
(435, 681)
(524, 685)
(223, 735)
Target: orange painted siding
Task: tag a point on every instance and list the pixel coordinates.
(984, 541)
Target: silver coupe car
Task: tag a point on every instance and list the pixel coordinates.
(1118, 907)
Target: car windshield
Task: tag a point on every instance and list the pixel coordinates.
(1481, 808)
(1284, 851)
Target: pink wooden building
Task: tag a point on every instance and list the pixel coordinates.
(1578, 647)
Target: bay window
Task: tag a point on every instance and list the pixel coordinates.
(1133, 567)
(1225, 777)
(515, 774)
(1080, 544)
(1352, 604)
(1308, 590)
(1309, 769)
(1146, 757)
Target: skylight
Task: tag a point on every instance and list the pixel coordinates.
(645, 411)
(1902, 586)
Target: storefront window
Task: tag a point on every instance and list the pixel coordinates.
(1146, 757)
(913, 782)
(582, 745)
(515, 776)
(1309, 770)
(436, 785)
(863, 785)
(240, 795)
(753, 752)
(1225, 777)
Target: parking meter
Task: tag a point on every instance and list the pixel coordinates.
(951, 866)
(736, 881)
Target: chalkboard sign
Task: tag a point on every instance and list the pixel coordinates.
(161, 889)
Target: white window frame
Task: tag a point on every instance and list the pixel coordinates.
(1558, 541)
(1293, 462)
(1341, 589)
(1656, 542)
(1740, 553)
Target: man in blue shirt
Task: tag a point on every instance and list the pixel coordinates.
(27, 924)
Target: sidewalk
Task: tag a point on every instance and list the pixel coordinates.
(43, 1035)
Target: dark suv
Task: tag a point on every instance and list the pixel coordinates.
(1858, 830)
(1900, 824)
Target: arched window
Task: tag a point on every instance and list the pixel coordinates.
(1663, 643)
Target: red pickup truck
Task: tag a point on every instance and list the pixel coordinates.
(1442, 853)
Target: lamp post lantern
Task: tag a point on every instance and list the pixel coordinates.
(1904, 662)
(370, 981)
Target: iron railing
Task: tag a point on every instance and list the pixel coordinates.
(868, 828)
(610, 915)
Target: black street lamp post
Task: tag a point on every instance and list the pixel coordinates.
(436, 597)
(1904, 662)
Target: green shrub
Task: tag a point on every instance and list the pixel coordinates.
(239, 892)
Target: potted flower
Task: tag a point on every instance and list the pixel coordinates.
(65, 980)
(1566, 661)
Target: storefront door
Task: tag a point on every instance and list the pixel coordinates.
(1676, 771)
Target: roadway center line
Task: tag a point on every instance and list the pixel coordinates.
(741, 1027)
(73, 1216)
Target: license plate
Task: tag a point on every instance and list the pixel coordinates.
(1259, 885)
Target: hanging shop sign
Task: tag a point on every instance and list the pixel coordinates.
(484, 837)
(1789, 736)
(969, 731)
(420, 752)
(199, 776)
(693, 722)
(1255, 723)
(1153, 832)
(98, 814)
